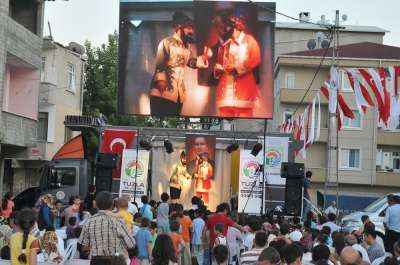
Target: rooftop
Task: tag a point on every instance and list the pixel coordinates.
(364, 50)
(348, 28)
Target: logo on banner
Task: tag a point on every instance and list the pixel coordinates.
(273, 158)
(130, 169)
(250, 169)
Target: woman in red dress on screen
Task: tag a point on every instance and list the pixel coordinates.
(203, 175)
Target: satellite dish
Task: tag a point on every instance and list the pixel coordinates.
(311, 44)
(344, 17)
(325, 44)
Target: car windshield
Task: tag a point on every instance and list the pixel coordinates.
(376, 205)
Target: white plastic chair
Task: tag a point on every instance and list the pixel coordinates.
(71, 249)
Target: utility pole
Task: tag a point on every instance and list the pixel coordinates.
(332, 168)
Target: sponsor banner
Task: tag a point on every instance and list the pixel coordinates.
(250, 175)
(277, 149)
(130, 178)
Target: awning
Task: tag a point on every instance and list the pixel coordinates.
(73, 149)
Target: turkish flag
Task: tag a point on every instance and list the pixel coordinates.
(114, 142)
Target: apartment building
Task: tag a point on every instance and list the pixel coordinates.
(369, 161)
(61, 94)
(21, 24)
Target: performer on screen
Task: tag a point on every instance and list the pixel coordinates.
(173, 55)
(203, 175)
(179, 175)
(238, 55)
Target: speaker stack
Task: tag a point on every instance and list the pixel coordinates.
(105, 163)
(294, 174)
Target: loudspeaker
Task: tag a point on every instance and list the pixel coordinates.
(103, 179)
(292, 170)
(106, 160)
(293, 196)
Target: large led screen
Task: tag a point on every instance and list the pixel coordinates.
(196, 58)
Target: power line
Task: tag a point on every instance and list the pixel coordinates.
(315, 75)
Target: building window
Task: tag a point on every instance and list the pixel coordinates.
(345, 82)
(43, 122)
(289, 80)
(349, 158)
(352, 123)
(396, 161)
(287, 115)
(42, 70)
(71, 77)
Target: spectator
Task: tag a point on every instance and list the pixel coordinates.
(133, 253)
(219, 232)
(331, 223)
(45, 212)
(338, 242)
(195, 203)
(162, 214)
(122, 205)
(198, 225)
(332, 209)
(235, 242)
(374, 250)
(71, 227)
(279, 245)
(248, 238)
(7, 205)
(143, 240)
(370, 226)
(269, 256)
(392, 223)
(390, 261)
(50, 247)
(320, 252)
(293, 254)
(251, 257)
(5, 253)
(57, 212)
(220, 254)
(105, 224)
(137, 220)
(89, 201)
(23, 246)
(163, 252)
(153, 231)
(73, 208)
(296, 235)
(132, 207)
(186, 225)
(350, 256)
(176, 238)
(351, 240)
(220, 217)
(306, 192)
(146, 210)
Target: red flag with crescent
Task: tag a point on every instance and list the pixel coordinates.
(115, 141)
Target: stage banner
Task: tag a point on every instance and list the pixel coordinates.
(250, 182)
(276, 152)
(128, 173)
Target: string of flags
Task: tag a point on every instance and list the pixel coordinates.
(372, 87)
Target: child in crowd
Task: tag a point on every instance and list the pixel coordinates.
(220, 254)
(137, 220)
(186, 225)
(143, 241)
(198, 225)
(176, 238)
(58, 209)
(248, 237)
(24, 247)
(162, 214)
(70, 227)
(122, 206)
(219, 232)
(153, 231)
(146, 210)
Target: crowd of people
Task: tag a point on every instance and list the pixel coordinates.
(115, 231)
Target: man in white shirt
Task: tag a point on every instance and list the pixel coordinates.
(332, 209)
(331, 224)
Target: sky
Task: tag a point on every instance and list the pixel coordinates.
(93, 20)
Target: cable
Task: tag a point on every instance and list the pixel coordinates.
(288, 16)
(315, 75)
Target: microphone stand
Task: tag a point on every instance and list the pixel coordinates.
(257, 174)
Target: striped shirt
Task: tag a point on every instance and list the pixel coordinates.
(106, 234)
(251, 257)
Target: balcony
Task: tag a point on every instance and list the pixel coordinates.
(391, 179)
(18, 131)
(388, 138)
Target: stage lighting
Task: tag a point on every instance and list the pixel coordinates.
(232, 147)
(256, 149)
(168, 146)
(145, 145)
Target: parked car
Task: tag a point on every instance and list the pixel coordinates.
(376, 212)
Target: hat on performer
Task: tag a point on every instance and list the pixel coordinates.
(180, 18)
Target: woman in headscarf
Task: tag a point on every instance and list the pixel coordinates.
(45, 219)
(49, 246)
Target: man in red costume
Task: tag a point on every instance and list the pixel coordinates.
(238, 55)
(203, 175)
